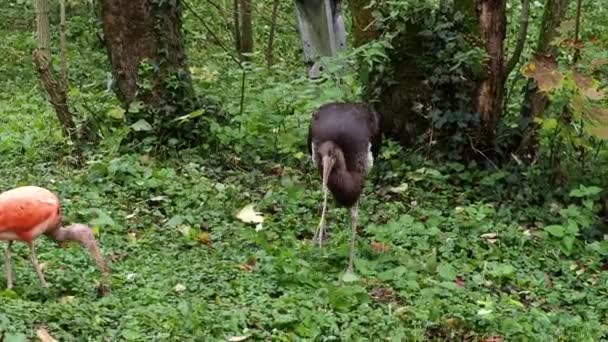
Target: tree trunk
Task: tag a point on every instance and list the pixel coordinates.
(490, 91)
(273, 28)
(42, 59)
(363, 27)
(396, 102)
(237, 26)
(150, 33)
(246, 28)
(535, 102)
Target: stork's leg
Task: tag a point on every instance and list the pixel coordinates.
(37, 265)
(354, 218)
(8, 265)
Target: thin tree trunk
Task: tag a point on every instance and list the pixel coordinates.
(246, 28)
(535, 102)
(237, 26)
(521, 37)
(64, 48)
(42, 59)
(490, 92)
(273, 27)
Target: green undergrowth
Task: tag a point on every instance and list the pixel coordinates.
(445, 251)
(457, 253)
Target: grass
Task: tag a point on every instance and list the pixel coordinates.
(446, 251)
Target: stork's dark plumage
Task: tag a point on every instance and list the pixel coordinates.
(343, 140)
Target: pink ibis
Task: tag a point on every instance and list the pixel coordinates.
(343, 140)
(29, 211)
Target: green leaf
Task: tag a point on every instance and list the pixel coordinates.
(117, 113)
(555, 230)
(349, 277)
(175, 221)
(447, 271)
(15, 337)
(141, 125)
(102, 219)
(135, 106)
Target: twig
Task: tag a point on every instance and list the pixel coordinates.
(232, 56)
(213, 35)
(476, 150)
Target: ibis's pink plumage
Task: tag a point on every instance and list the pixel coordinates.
(28, 211)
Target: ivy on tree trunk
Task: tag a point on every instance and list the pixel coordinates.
(145, 48)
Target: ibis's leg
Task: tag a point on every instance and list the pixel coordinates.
(8, 263)
(354, 217)
(37, 265)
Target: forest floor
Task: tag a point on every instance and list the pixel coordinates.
(446, 252)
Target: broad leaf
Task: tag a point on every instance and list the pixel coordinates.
(555, 230)
(141, 125)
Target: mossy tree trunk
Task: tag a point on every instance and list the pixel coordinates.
(409, 90)
(397, 100)
(486, 22)
(490, 90)
(146, 50)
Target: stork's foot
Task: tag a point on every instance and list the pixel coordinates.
(321, 235)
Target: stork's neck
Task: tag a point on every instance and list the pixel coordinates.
(346, 186)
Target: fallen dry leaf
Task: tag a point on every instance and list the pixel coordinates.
(493, 339)
(204, 238)
(399, 189)
(598, 62)
(490, 237)
(379, 247)
(545, 72)
(249, 215)
(238, 338)
(459, 282)
(249, 266)
(44, 335)
(581, 80)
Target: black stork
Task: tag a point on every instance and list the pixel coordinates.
(343, 140)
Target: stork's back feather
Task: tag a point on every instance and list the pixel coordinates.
(352, 126)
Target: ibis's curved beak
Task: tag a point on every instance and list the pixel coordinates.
(328, 163)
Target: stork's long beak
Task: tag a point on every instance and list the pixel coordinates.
(328, 163)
